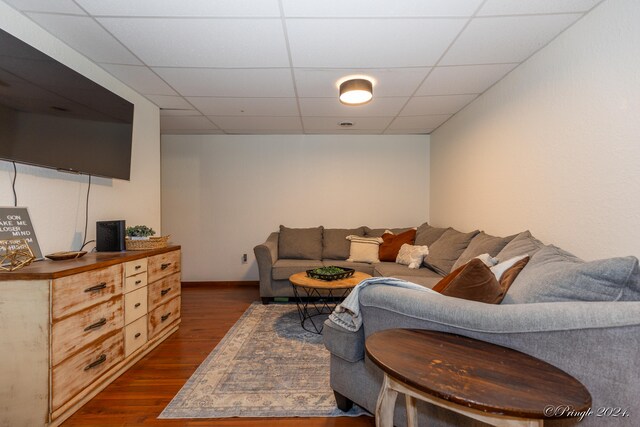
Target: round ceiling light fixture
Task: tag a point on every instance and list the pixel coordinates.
(356, 91)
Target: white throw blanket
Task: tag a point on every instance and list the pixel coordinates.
(347, 313)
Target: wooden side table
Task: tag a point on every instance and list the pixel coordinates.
(487, 382)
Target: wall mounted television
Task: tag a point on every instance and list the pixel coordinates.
(54, 117)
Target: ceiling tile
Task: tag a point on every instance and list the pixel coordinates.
(463, 79)
(408, 131)
(165, 101)
(140, 78)
(317, 82)
(58, 6)
(198, 8)
(333, 123)
(424, 123)
(191, 132)
(247, 83)
(203, 42)
(505, 39)
(210, 106)
(331, 107)
(519, 7)
(236, 123)
(179, 112)
(343, 132)
(379, 8)
(369, 43)
(196, 122)
(427, 105)
(86, 36)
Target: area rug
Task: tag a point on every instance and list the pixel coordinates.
(266, 366)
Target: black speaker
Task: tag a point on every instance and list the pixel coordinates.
(110, 236)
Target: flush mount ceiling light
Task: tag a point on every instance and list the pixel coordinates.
(356, 91)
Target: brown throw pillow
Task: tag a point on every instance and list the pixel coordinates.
(391, 244)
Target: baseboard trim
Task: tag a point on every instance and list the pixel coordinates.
(221, 284)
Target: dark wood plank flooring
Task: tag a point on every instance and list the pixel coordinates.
(140, 394)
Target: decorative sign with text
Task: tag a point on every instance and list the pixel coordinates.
(16, 224)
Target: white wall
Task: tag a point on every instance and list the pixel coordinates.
(56, 200)
(554, 147)
(222, 195)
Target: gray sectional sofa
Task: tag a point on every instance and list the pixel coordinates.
(583, 317)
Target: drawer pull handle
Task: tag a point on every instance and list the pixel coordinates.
(97, 287)
(164, 292)
(138, 282)
(165, 266)
(137, 305)
(165, 317)
(99, 361)
(96, 325)
(138, 267)
(137, 335)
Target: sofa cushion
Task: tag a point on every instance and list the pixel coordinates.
(283, 268)
(363, 267)
(391, 244)
(426, 235)
(523, 244)
(300, 243)
(335, 244)
(444, 252)
(392, 269)
(411, 255)
(556, 275)
(483, 243)
(364, 249)
(378, 232)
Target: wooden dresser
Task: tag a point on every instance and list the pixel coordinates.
(69, 328)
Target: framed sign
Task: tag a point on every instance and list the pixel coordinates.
(16, 224)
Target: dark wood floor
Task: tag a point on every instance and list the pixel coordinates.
(139, 395)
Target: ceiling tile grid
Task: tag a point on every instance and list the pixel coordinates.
(274, 66)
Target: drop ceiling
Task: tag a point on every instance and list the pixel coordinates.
(272, 66)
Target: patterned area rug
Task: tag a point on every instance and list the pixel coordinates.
(266, 366)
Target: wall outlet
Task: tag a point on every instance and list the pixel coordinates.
(244, 258)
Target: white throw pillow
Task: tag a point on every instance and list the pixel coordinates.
(488, 260)
(498, 270)
(411, 255)
(364, 249)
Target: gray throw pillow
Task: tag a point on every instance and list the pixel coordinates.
(300, 243)
(444, 252)
(335, 244)
(523, 244)
(483, 243)
(553, 274)
(426, 235)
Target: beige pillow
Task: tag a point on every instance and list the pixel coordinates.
(411, 255)
(364, 249)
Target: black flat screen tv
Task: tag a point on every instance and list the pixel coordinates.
(54, 117)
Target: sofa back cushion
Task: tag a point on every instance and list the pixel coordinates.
(391, 244)
(378, 232)
(483, 243)
(445, 251)
(300, 243)
(335, 244)
(523, 244)
(556, 275)
(426, 235)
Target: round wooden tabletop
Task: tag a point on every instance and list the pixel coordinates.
(301, 279)
(474, 373)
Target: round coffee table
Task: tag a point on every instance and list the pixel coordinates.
(316, 297)
(487, 382)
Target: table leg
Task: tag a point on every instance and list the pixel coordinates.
(412, 411)
(386, 404)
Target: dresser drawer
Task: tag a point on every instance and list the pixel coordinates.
(77, 372)
(77, 331)
(135, 267)
(163, 265)
(75, 293)
(135, 305)
(163, 290)
(163, 316)
(135, 335)
(132, 283)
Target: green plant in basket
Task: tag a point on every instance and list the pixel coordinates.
(140, 231)
(328, 270)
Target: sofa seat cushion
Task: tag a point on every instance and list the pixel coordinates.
(335, 244)
(300, 243)
(362, 267)
(283, 268)
(445, 251)
(392, 269)
(483, 243)
(426, 281)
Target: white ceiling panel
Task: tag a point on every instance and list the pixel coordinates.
(197, 122)
(332, 107)
(211, 106)
(428, 105)
(203, 42)
(407, 131)
(140, 78)
(86, 36)
(199, 8)
(419, 122)
(379, 8)
(58, 6)
(192, 132)
(178, 112)
(314, 82)
(369, 43)
(174, 102)
(234, 123)
(505, 39)
(343, 132)
(463, 79)
(243, 83)
(333, 123)
(520, 7)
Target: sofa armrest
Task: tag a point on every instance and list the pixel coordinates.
(266, 255)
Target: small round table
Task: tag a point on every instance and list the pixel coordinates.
(320, 296)
(487, 382)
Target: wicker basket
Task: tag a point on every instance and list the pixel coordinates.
(145, 245)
